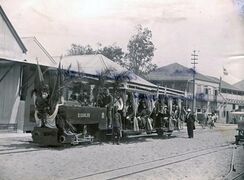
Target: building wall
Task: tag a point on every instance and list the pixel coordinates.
(232, 96)
(224, 113)
(29, 84)
(227, 103)
(208, 88)
(9, 96)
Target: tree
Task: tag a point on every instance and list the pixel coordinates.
(141, 50)
(113, 52)
(80, 50)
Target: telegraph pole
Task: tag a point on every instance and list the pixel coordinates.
(194, 58)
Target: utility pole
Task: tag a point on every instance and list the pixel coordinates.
(194, 58)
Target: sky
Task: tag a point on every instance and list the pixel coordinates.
(214, 28)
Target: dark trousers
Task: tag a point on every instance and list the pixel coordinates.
(190, 130)
(109, 116)
(160, 121)
(116, 134)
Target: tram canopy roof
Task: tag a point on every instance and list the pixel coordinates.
(97, 64)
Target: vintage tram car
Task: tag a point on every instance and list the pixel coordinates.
(81, 114)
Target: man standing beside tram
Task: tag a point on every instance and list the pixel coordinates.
(190, 120)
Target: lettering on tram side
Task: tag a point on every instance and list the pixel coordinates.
(84, 115)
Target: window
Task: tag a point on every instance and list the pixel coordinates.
(199, 89)
(215, 92)
(209, 91)
(206, 90)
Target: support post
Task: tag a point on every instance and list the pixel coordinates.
(194, 62)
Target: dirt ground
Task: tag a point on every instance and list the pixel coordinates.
(207, 156)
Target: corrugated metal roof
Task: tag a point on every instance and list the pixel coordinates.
(37, 52)
(175, 72)
(225, 85)
(240, 85)
(95, 64)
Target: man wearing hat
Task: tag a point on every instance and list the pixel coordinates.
(189, 123)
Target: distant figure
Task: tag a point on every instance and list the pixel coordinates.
(211, 121)
(117, 123)
(189, 123)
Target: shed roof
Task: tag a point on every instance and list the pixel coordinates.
(240, 85)
(225, 85)
(36, 52)
(12, 30)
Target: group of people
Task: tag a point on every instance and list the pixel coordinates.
(190, 121)
(83, 98)
(211, 119)
(162, 114)
(159, 117)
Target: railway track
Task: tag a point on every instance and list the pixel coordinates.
(126, 171)
(15, 150)
(238, 177)
(232, 174)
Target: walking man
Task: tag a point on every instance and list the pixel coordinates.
(189, 123)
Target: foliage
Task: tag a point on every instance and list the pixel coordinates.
(138, 59)
(113, 52)
(141, 50)
(80, 50)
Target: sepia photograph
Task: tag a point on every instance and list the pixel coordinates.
(122, 89)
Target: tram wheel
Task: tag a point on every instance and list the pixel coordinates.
(124, 135)
(160, 132)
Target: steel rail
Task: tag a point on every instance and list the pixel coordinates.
(226, 146)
